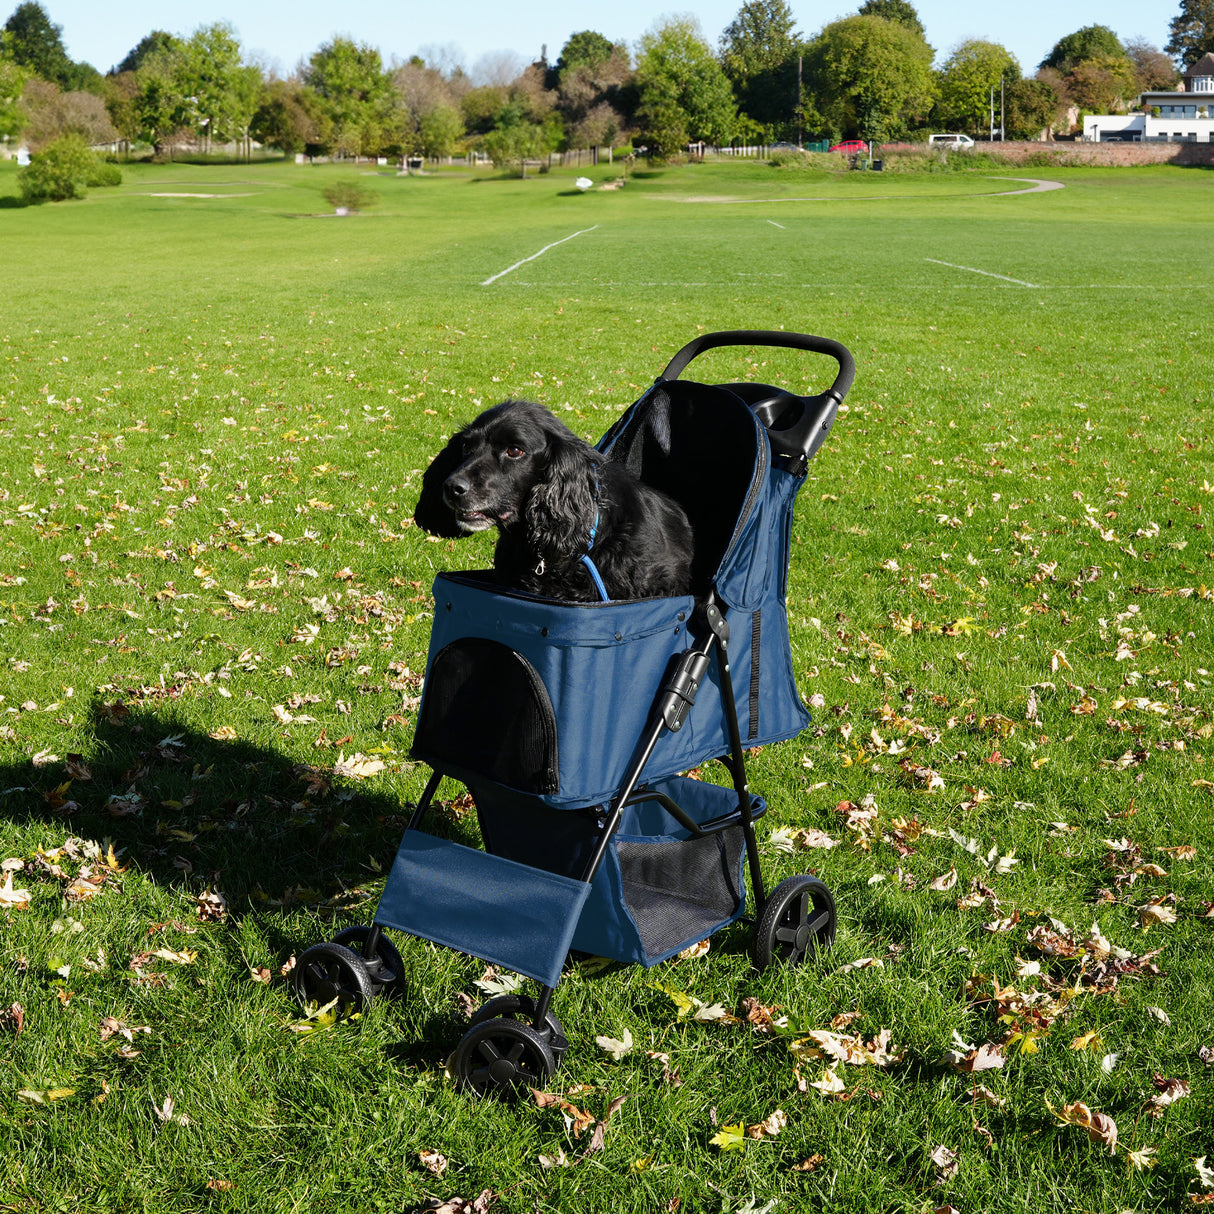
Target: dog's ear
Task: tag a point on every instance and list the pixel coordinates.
(563, 503)
(432, 514)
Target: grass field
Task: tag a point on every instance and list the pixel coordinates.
(216, 401)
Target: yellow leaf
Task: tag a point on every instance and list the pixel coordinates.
(729, 1137)
(1089, 1041)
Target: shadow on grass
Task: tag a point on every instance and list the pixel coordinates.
(188, 809)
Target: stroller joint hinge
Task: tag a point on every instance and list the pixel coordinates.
(678, 693)
(718, 624)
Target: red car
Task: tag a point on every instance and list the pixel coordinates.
(851, 147)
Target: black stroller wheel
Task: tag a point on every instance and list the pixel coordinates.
(522, 1007)
(501, 1057)
(328, 972)
(386, 969)
(797, 920)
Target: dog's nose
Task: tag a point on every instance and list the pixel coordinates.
(455, 487)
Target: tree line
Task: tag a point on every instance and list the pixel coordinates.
(869, 75)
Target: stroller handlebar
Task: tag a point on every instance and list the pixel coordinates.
(796, 425)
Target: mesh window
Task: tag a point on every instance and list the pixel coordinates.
(680, 891)
(485, 710)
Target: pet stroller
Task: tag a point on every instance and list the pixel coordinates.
(571, 724)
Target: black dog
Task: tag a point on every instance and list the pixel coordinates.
(554, 499)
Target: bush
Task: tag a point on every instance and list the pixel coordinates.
(349, 195)
(60, 171)
(104, 173)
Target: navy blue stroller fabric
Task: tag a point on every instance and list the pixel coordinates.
(537, 707)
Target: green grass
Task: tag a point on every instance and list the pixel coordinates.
(215, 412)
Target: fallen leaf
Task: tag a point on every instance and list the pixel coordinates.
(808, 1165)
(1100, 1127)
(433, 1161)
(13, 898)
(863, 963)
(984, 1058)
(945, 882)
(493, 983)
(769, 1127)
(617, 1049)
(730, 1137)
(946, 1161)
(29, 1096)
(830, 1084)
(357, 766)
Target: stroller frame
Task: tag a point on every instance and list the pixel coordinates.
(515, 1040)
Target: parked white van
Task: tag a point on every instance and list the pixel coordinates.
(950, 141)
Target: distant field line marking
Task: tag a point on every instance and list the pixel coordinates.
(631, 284)
(525, 260)
(1037, 185)
(970, 270)
(777, 225)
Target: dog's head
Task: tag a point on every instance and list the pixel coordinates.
(516, 467)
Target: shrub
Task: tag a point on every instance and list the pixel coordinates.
(104, 173)
(349, 195)
(60, 171)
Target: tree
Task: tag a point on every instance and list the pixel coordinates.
(900, 12)
(759, 51)
(1152, 68)
(37, 44)
(585, 49)
(13, 79)
(430, 108)
(281, 119)
(1030, 107)
(1192, 31)
(355, 96)
(515, 138)
(1100, 85)
(161, 110)
(223, 91)
(966, 80)
(52, 114)
(869, 78)
(592, 76)
(1091, 42)
(150, 44)
(682, 88)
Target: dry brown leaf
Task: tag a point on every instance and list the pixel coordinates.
(433, 1161)
(945, 882)
(1100, 1127)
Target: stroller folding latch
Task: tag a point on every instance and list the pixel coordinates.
(573, 727)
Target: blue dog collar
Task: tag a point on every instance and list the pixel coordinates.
(594, 530)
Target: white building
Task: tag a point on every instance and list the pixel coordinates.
(1183, 116)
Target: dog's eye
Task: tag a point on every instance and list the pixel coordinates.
(514, 451)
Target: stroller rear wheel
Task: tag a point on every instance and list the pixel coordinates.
(501, 1057)
(797, 920)
(522, 1007)
(386, 969)
(329, 972)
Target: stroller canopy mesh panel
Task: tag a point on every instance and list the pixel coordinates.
(704, 447)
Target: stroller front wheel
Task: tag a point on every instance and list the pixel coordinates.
(386, 969)
(522, 1007)
(328, 973)
(797, 920)
(501, 1057)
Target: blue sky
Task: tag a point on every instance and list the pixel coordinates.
(283, 34)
